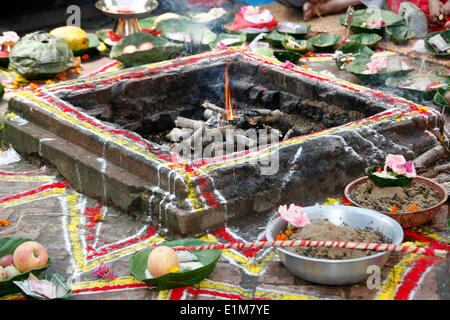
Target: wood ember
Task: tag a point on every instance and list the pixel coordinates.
(215, 133)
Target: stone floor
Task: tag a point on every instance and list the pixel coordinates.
(39, 205)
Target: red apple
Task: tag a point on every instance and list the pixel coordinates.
(146, 46)
(129, 49)
(7, 260)
(11, 271)
(30, 255)
(2, 274)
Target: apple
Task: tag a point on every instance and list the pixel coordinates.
(7, 260)
(2, 274)
(146, 46)
(11, 271)
(30, 255)
(129, 49)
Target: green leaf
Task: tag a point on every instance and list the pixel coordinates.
(399, 34)
(186, 30)
(351, 47)
(407, 84)
(325, 41)
(304, 45)
(275, 38)
(445, 34)
(163, 49)
(401, 181)
(365, 39)
(49, 277)
(362, 17)
(287, 55)
(8, 246)
(138, 265)
(94, 42)
(229, 39)
(263, 51)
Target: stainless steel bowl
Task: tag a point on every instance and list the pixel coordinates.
(337, 272)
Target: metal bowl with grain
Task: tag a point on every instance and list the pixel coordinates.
(337, 272)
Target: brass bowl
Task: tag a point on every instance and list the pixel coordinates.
(406, 219)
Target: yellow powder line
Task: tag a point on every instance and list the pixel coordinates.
(39, 196)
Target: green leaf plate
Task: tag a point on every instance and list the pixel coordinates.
(440, 100)
(286, 28)
(365, 39)
(94, 42)
(445, 34)
(406, 84)
(275, 38)
(231, 40)
(163, 49)
(8, 246)
(184, 29)
(358, 66)
(363, 17)
(305, 45)
(386, 182)
(287, 55)
(49, 278)
(325, 41)
(138, 265)
(399, 34)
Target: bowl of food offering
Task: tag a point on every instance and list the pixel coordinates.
(333, 265)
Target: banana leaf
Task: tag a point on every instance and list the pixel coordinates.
(445, 34)
(399, 34)
(184, 29)
(303, 45)
(138, 265)
(415, 87)
(365, 39)
(94, 42)
(325, 41)
(401, 181)
(4, 59)
(163, 49)
(296, 30)
(287, 55)
(275, 38)
(371, 20)
(228, 39)
(2, 91)
(8, 246)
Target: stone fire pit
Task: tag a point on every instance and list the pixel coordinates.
(100, 132)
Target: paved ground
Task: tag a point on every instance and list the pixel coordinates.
(41, 206)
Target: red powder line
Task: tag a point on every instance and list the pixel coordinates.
(412, 278)
(4, 173)
(113, 287)
(197, 292)
(57, 185)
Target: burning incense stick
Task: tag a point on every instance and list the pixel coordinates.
(310, 243)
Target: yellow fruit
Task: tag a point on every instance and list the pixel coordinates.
(76, 38)
(161, 261)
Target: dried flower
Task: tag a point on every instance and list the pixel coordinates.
(85, 57)
(4, 223)
(174, 269)
(99, 217)
(104, 272)
(294, 215)
(413, 207)
(281, 237)
(393, 209)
